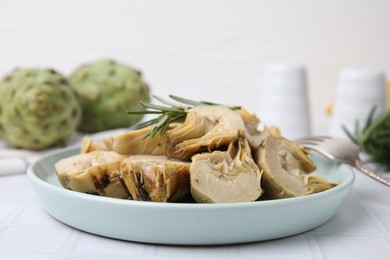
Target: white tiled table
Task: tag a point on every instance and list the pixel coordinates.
(360, 230)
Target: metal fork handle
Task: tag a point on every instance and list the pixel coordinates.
(361, 166)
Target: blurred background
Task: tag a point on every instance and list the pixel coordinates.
(212, 50)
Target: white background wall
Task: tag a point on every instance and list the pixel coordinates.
(206, 49)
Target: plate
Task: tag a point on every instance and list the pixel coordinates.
(188, 223)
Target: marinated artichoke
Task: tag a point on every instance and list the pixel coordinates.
(156, 178)
(97, 172)
(107, 89)
(139, 177)
(205, 128)
(129, 143)
(252, 133)
(38, 108)
(286, 169)
(226, 176)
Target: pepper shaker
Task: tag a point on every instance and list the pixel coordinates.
(359, 90)
(284, 99)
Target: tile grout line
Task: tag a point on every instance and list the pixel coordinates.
(315, 248)
(8, 220)
(382, 229)
(65, 249)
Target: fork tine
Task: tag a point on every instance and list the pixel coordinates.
(310, 146)
(309, 140)
(306, 142)
(315, 148)
(316, 138)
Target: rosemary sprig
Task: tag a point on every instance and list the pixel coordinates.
(374, 137)
(168, 112)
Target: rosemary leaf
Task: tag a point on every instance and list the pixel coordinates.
(178, 117)
(154, 131)
(166, 102)
(370, 117)
(186, 101)
(349, 134)
(161, 124)
(143, 112)
(161, 108)
(163, 129)
(146, 123)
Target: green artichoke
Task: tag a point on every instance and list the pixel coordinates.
(38, 108)
(108, 89)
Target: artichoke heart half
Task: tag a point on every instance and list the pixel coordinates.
(226, 176)
(205, 128)
(286, 169)
(156, 178)
(129, 143)
(251, 122)
(97, 172)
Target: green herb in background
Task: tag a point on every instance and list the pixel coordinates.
(374, 138)
(167, 114)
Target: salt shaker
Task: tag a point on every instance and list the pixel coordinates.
(284, 99)
(359, 90)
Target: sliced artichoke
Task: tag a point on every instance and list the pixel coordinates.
(156, 178)
(226, 176)
(270, 130)
(129, 143)
(97, 172)
(90, 145)
(251, 122)
(286, 169)
(205, 128)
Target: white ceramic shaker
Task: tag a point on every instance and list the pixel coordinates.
(358, 91)
(284, 99)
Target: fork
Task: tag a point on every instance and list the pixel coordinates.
(342, 151)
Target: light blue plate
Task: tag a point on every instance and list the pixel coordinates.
(188, 224)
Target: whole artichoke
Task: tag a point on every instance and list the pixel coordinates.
(38, 108)
(108, 89)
